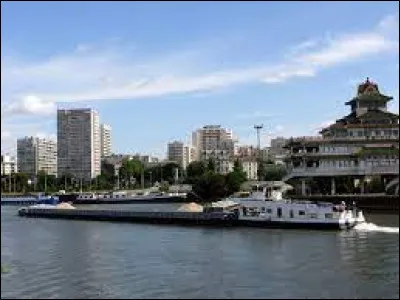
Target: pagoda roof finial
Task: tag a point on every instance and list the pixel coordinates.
(367, 87)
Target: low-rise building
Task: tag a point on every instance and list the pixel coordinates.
(251, 168)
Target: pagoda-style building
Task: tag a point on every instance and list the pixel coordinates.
(358, 153)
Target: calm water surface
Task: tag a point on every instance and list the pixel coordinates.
(72, 259)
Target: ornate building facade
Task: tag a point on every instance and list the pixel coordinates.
(358, 148)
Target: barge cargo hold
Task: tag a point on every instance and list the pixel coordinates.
(186, 218)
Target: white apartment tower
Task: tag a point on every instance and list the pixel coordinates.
(105, 140)
(36, 154)
(8, 164)
(79, 143)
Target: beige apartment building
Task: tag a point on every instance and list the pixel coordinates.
(79, 143)
(217, 143)
(36, 154)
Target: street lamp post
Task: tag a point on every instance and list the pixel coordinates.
(45, 183)
(258, 129)
(151, 179)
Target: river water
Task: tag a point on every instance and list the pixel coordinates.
(48, 258)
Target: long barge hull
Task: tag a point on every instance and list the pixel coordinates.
(159, 199)
(185, 218)
(223, 219)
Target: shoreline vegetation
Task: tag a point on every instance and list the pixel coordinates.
(133, 175)
(206, 182)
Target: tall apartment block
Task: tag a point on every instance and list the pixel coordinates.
(79, 143)
(105, 140)
(36, 154)
(179, 153)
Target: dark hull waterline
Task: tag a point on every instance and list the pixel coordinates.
(177, 218)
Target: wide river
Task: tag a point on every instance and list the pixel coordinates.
(46, 258)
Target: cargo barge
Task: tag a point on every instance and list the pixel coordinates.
(177, 217)
(262, 208)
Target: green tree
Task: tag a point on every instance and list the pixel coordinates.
(261, 169)
(64, 182)
(130, 169)
(211, 167)
(45, 182)
(275, 172)
(235, 179)
(107, 169)
(194, 171)
(21, 182)
(169, 171)
(210, 186)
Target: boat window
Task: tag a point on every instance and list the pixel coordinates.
(279, 212)
(302, 212)
(291, 214)
(263, 209)
(269, 210)
(328, 216)
(244, 211)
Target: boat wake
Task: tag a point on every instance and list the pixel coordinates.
(371, 227)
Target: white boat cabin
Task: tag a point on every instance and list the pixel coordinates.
(265, 203)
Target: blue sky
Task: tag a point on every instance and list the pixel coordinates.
(156, 71)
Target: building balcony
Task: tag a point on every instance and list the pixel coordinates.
(344, 171)
(320, 139)
(322, 154)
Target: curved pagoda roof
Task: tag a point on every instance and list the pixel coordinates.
(352, 118)
(368, 91)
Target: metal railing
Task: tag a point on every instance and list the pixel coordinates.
(319, 171)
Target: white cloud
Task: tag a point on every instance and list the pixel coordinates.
(92, 73)
(31, 105)
(88, 74)
(317, 128)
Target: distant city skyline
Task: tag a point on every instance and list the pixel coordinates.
(158, 71)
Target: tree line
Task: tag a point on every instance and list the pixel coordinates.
(132, 174)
